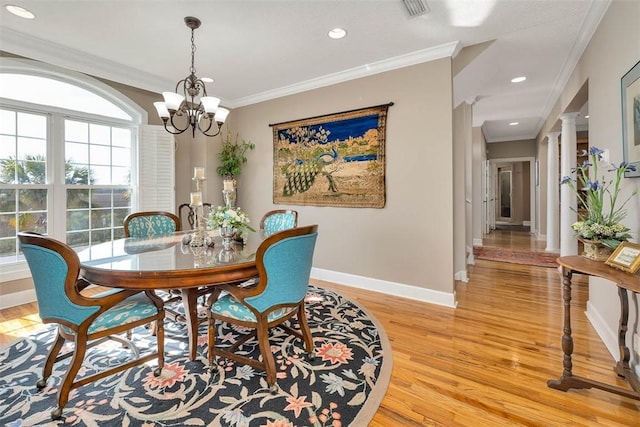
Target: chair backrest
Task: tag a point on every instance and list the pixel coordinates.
(151, 223)
(54, 268)
(185, 212)
(278, 220)
(284, 263)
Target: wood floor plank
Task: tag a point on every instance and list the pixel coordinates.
(484, 363)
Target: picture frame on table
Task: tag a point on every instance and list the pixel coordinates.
(630, 85)
(626, 257)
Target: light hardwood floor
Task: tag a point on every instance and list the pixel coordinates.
(484, 363)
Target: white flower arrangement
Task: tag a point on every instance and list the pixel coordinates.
(229, 216)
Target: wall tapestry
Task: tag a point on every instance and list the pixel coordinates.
(332, 160)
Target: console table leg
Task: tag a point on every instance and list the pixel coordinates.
(623, 364)
(565, 382)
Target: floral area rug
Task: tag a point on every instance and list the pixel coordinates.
(342, 386)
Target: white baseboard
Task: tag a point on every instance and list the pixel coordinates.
(608, 336)
(462, 276)
(477, 242)
(526, 223)
(17, 298)
(385, 287)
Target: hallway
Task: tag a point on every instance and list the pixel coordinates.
(514, 244)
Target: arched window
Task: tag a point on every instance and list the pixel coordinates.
(67, 156)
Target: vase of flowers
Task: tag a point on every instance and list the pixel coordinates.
(230, 220)
(599, 225)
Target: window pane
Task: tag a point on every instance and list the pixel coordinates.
(100, 198)
(100, 218)
(45, 91)
(121, 137)
(76, 131)
(32, 125)
(7, 200)
(31, 172)
(7, 122)
(7, 146)
(99, 134)
(77, 199)
(32, 200)
(8, 171)
(8, 225)
(121, 157)
(33, 221)
(78, 220)
(100, 154)
(30, 149)
(76, 174)
(78, 239)
(122, 197)
(76, 152)
(101, 175)
(119, 216)
(121, 176)
(8, 249)
(100, 236)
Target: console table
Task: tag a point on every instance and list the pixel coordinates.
(625, 282)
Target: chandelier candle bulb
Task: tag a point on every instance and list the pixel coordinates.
(198, 172)
(196, 199)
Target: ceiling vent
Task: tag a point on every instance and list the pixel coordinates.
(416, 7)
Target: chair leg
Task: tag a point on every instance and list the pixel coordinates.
(159, 329)
(51, 360)
(267, 356)
(69, 376)
(304, 327)
(211, 335)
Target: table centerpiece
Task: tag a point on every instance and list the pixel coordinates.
(230, 220)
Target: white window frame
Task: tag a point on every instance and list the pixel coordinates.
(57, 227)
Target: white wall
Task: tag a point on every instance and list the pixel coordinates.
(409, 242)
(612, 51)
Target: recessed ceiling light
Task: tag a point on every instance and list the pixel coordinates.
(20, 11)
(514, 123)
(518, 79)
(337, 33)
(207, 79)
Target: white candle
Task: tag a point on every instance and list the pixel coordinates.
(196, 198)
(228, 184)
(198, 172)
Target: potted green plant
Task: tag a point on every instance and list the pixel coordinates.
(600, 223)
(232, 157)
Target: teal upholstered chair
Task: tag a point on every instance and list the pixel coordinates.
(152, 223)
(84, 319)
(278, 220)
(284, 263)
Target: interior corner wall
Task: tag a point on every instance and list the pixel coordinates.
(410, 240)
(613, 50)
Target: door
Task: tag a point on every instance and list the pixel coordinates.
(504, 192)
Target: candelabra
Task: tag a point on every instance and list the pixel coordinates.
(229, 192)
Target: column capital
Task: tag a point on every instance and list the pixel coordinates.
(553, 136)
(569, 117)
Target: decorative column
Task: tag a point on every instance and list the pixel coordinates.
(568, 200)
(553, 190)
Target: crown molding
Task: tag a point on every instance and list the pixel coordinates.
(597, 10)
(412, 58)
(52, 53)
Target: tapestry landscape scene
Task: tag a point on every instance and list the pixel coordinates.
(332, 160)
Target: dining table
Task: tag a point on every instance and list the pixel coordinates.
(169, 262)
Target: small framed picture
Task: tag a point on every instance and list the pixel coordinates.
(626, 257)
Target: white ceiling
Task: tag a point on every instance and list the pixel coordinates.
(262, 49)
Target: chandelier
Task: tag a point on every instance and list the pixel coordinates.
(181, 111)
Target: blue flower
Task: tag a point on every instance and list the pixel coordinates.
(566, 179)
(595, 151)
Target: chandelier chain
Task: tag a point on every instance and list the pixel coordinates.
(193, 53)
